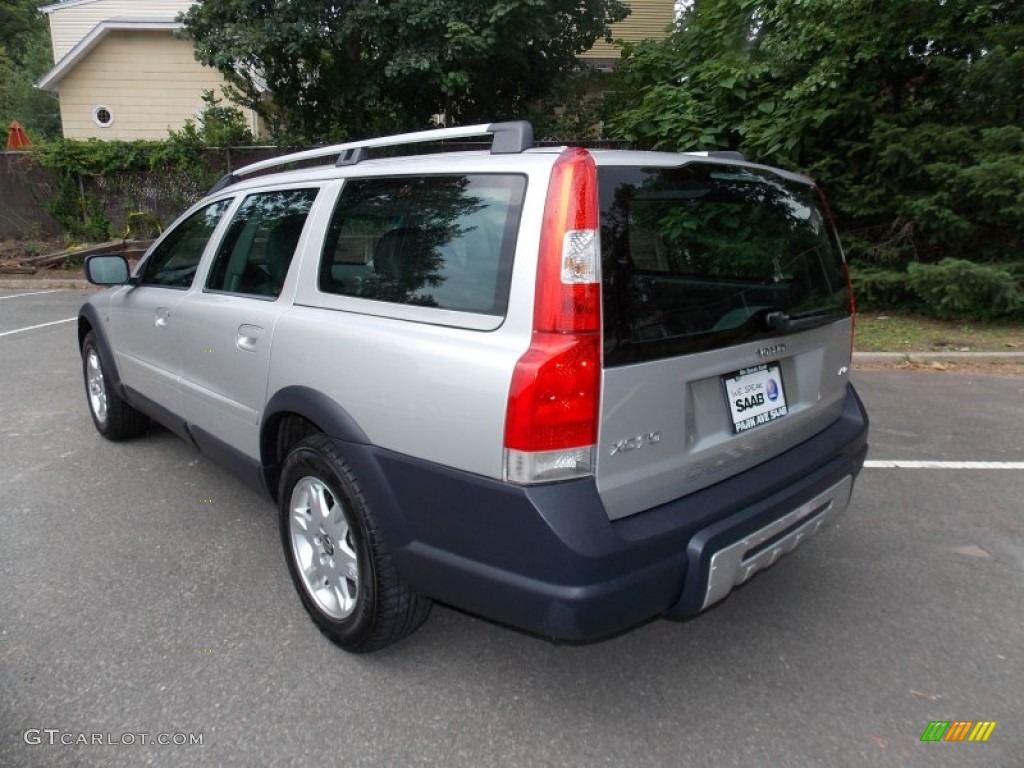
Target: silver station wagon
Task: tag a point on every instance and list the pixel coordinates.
(568, 390)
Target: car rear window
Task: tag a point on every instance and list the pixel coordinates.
(435, 241)
(696, 257)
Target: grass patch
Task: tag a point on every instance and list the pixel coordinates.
(890, 332)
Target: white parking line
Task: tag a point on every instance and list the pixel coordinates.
(33, 327)
(19, 295)
(945, 464)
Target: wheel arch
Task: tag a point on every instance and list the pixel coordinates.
(89, 322)
(294, 413)
(84, 327)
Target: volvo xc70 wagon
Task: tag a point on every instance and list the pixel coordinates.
(568, 390)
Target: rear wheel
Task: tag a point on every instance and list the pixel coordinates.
(337, 559)
(113, 417)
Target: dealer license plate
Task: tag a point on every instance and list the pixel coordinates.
(755, 396)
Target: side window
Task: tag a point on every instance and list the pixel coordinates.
(259, 245)
(436, 241)
(173, 264)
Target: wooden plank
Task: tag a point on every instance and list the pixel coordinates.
(127, 247)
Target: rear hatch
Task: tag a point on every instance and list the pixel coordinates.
(727, 325)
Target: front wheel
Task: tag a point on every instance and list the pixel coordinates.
(113, 417)
(337, 559)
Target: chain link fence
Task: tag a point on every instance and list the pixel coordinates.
(139, 203)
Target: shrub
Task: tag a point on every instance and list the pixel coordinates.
(99, 184)
(955, 288)
(81, 214)
(219, 126)
(883, 289)
(951, 289)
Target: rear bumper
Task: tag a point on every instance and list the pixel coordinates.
(546, 559)
(723, 566)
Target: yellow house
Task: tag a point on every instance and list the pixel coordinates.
(647, 20)
(120, 71)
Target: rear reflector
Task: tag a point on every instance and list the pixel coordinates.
(545, 466)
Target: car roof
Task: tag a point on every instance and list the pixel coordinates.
(482, 161)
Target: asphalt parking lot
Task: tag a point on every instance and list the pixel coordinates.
(143, 591)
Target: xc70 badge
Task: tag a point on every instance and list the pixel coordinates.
(632, 443)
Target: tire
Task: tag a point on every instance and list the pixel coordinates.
(341, 567)
(113, 417)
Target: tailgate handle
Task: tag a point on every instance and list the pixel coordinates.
(782, 323)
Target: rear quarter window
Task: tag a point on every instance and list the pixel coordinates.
(445, 242)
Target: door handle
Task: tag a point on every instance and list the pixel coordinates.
(247, 338)
(163, 317)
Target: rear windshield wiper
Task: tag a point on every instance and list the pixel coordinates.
(781, 322)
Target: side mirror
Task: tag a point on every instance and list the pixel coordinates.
(107, 269)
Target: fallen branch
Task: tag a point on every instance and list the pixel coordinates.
(130, 248)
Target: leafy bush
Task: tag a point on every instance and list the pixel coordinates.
(352, 69)
(909, 114)
(99, 184)
(955, 288)
(81, 215)
(572, 111)
(219, 126)
(1015, 268)
(951, 289)
(883, 289)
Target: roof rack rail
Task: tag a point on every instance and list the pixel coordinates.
(509, 138)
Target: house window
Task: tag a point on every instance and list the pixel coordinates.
(102, 116)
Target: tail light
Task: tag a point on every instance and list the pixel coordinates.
(554, 398)
(853, 307)
(846, 267)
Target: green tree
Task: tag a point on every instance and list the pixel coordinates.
(20, 23)
(219, 126)
(359, 67)
(909, 113)
(25, 56)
